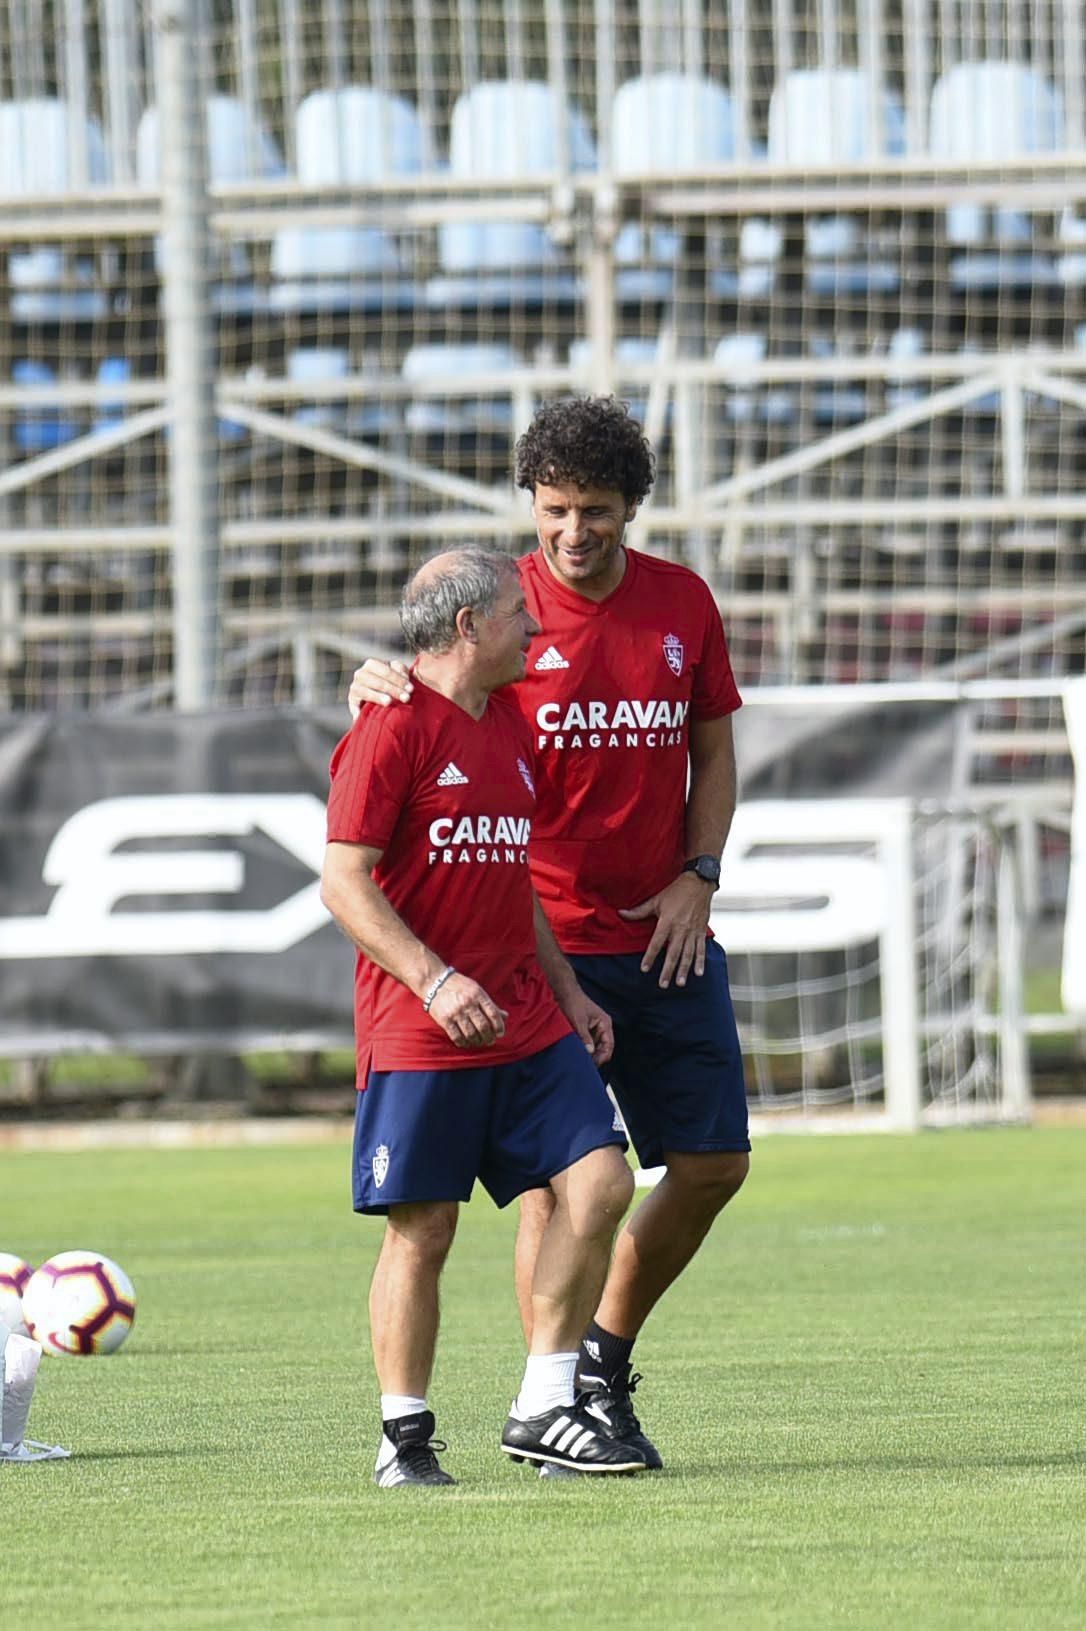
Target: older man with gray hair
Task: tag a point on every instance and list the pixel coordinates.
(476, 1046)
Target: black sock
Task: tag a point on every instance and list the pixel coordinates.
(602, 1355)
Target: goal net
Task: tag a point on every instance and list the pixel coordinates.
(875, 954)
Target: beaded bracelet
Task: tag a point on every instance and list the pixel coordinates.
(436, 987)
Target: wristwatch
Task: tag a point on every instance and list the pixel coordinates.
(705, 867)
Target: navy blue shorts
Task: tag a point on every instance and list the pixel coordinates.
(426, 1135)
(677, 1071)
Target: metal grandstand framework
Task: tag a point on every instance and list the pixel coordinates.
(831, 253)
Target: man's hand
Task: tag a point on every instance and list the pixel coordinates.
(592, 1024)
(682, 917)
(466, 1014)
(380, 682)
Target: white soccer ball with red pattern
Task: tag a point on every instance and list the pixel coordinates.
(14, 1275)
(79, 1303)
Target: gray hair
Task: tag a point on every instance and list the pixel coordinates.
(471, 576)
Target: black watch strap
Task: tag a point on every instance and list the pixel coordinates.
(705, 867)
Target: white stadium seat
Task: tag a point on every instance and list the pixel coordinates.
(353, 136)
(992, 111)
(828, 116)
(238, 149)
(39, 138)
(662, 123)
(504, 130)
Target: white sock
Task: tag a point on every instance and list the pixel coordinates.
(393, 1406)
(548, 1382)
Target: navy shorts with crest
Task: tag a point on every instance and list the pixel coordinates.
(677, 1070)
(427, 1135)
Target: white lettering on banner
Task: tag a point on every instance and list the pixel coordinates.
(91, 878)
(1073, 980)
(820, 900)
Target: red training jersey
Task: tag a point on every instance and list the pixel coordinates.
(450, 801)
(610, 689)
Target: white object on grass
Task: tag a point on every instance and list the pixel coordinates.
(19, 1361)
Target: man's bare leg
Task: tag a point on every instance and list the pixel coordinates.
(404, 1314)
(571, 1263)
(536, 1210)
(404, 1307)
(664, 1234)
(575, 1249)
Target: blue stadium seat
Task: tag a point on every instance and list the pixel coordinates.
(43, 151)
(348, 416)
(112, 371)
(353, 136)
(39, 430)
(508, 129)
(662, 123)
(824, 117)
(993, 111)
(901, 389)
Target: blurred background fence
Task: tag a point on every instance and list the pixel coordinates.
(280, 283)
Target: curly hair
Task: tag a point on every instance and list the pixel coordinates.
(590, 441)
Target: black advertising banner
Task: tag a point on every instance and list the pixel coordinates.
(159, 884)
(159, 874)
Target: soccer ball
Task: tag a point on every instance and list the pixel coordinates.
(14, 1274)
(79, 1303)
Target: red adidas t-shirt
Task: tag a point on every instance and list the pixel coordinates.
(610, 690)
(450, 801)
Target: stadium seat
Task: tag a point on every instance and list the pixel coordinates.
(112, 371)
(992, 111)
(901, 389)
(44, 152)
(435, 415)
(504, 130)
(629, 349)
(39, 429)
(748, 402)
(824, 116)
(346, 416)
(238, 149)
(660, 124)
(836, 403)
(353, 136)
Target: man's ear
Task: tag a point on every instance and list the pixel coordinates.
(465, 625)
(632, 509)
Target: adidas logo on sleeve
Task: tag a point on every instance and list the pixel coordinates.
(551, 658)
(452, 777)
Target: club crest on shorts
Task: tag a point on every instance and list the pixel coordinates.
(380, 1164)
(526, 776)
(675, 654)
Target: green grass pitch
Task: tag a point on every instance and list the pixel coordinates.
(868, 1390)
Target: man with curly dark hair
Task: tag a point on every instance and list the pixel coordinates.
(589, 441)
(630, 693)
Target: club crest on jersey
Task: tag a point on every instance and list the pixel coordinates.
(526, 776)
(675, 654)
(380, 1164)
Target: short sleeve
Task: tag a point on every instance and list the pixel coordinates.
(371, 780)
(715, 692)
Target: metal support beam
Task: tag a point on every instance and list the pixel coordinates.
(181, 29)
